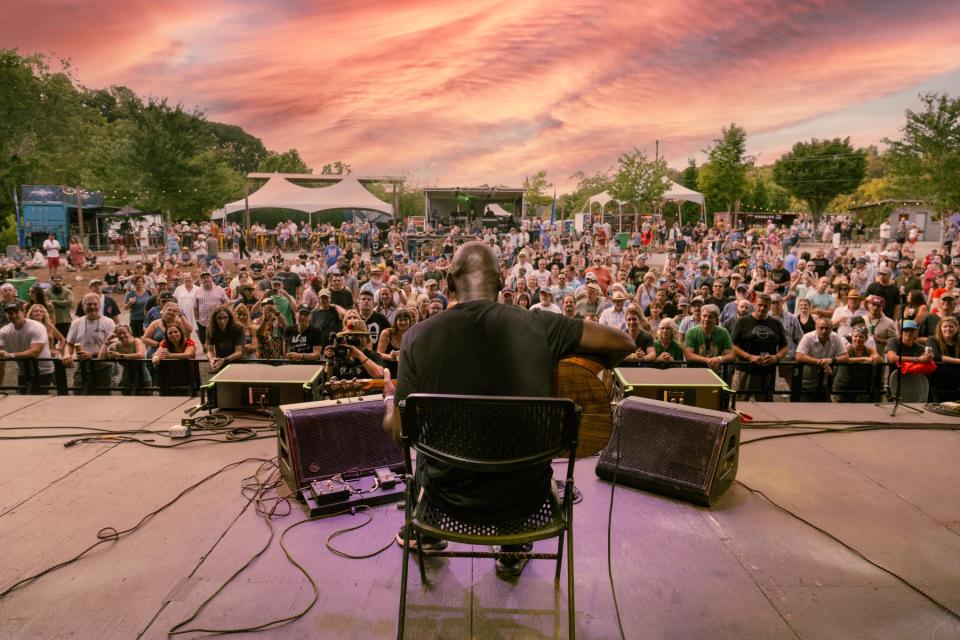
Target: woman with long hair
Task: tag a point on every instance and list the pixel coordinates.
(40, 313)
(916, 308)
(654, 317)
(130, 350)
(946, 353)
(76, 254)
(172, 359)
(225, 338)
(36, 296)
(389, 343)
(242, 315)
(386, 304)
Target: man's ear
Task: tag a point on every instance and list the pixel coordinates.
(451, 285)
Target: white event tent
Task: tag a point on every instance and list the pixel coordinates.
(675, 193)
(280, 193)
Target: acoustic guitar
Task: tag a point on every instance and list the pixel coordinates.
(589, 384)
(582, 379)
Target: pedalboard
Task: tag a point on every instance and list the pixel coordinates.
(366, 490)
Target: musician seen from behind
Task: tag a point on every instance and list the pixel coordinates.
(479, 347)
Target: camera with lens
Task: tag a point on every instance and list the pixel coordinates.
(340, 345)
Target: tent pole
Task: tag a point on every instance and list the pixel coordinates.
(246, 204)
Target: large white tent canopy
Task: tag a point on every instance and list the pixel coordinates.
(280, 193)
(678, 192)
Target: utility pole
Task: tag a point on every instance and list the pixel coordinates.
(656, 153)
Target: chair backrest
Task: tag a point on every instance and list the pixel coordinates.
(489, 433)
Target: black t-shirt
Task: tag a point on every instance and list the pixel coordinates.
(809, 325)
(484, 348)
(758, 336)
(342, 298)
(820, 265)
(302, 341)
(226, 344)
(915, 350)
(781, 276)
(376, 323)
(890, 294)
(328, 321)
(291, 282)
(644, 340)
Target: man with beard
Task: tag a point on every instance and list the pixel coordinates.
(375, 321)
(61, 298)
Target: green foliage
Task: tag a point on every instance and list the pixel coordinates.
(587, 185)
(151, 155)
(536, 187)
(723, 179)
(286, 162)
(820, 170)
(926, 159)
(763, 194)
(639, 181)
(336, 168)
(410, 198)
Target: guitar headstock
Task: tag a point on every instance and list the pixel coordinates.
(339, 389)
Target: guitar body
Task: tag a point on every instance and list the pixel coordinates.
(589, 384)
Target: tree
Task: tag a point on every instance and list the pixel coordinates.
(536, 187)
(180, 172)
(336, 168)
(926, 159)
(723, 179)
(763, 194)
(236, 147)
(639, 181)
(818, 171)
(587, 185)
(286, 162)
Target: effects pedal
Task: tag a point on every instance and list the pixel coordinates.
(329, 490)
(386, 478)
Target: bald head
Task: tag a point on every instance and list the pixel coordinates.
(473, 272)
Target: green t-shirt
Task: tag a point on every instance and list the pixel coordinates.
(674, 349)
(283, 308)
(716, 346)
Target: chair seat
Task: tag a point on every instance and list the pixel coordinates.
(546, 522)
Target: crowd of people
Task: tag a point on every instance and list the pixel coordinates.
(741, 301)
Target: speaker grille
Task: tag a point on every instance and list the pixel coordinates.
(340, 438)
(680, 451)
(668, 445)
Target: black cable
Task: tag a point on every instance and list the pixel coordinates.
(855, 429)
(613, 486)
(111, 534)
(855, 551)
(337, 534)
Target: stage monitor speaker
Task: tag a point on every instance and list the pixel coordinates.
(672, 449)
(250, 385)
(318, 440)
(692, 386)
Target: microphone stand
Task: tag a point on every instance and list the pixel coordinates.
(897, 372)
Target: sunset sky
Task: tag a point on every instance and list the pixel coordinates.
(490, 91)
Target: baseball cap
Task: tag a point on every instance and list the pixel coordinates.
(683, 301)
(11, 306)
(883, 269)
(304, 308)
(323, 292)
(874, 299)
(948, 295)
(909, 324)
(95, 281)
(775, 297)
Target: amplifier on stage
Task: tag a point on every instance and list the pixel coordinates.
(320, 440)
(252, 386)
(694, 387)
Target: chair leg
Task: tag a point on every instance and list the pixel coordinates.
(571, 610)
(556, 577)
(403, 592)
(423, 571)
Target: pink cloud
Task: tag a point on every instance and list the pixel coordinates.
(492, 91)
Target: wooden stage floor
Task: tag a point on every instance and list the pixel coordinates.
(744, 569)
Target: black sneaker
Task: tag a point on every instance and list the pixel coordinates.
(429, 543)
(512, 567)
